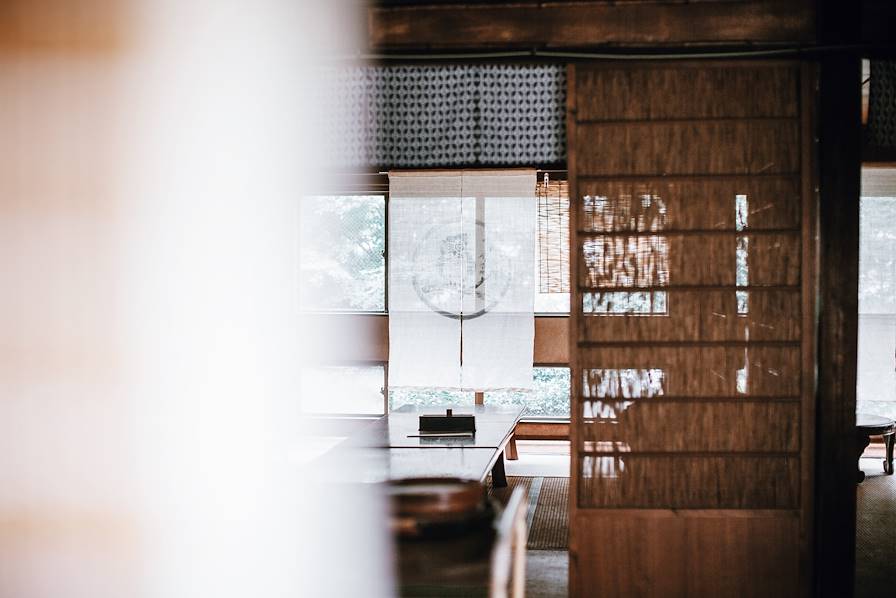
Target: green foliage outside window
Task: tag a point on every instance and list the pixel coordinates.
(549, 396)
(342, 264)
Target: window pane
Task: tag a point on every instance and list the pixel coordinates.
(548, 398)
(428, 397)
(341, 261)
(876, 387)
(343, 390)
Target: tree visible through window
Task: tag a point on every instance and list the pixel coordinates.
(342, 264)
(549, 397)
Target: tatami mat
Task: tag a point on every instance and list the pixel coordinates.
(548, 516)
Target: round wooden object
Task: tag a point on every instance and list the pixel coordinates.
(421, 504)
(436, 498)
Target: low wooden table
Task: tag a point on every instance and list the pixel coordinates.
(389, 448)
(874, 425)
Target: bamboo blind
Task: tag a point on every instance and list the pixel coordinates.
(553, 235)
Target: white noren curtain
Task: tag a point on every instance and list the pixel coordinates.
(461, 279)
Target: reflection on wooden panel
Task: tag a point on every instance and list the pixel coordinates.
(735, 481)
(674, 554)
(707, 204)
(699, 316)
(698, 371)
(716, 147)
(625, 261)
(689, 427)
(669, 260)
(686, 92)
(622, 211)
(626, 383)
(614, 303)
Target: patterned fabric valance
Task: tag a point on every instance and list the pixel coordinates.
(446, 115)
(882, 104)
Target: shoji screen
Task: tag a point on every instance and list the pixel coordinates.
(692, 418)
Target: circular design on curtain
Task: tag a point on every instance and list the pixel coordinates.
(450, 274)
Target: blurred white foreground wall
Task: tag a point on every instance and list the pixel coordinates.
(151, 159)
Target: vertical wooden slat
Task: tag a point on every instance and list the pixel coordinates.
(808, 160)
(575, 298)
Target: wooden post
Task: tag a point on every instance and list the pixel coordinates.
(839, 171)
(511, 453)
(838, 272)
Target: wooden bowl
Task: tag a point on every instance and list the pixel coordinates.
(427, 506)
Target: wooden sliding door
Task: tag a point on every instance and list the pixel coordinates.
(691, 329)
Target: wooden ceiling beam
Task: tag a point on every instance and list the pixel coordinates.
(583, 25)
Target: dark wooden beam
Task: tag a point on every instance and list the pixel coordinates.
(878, 22)
(839, 155)
(590, 24)
(871, 154)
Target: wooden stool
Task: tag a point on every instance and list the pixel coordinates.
(874, 425)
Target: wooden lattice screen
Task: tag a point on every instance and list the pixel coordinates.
(692, 363)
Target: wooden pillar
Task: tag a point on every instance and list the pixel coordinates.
(839, 149)
(839, 166)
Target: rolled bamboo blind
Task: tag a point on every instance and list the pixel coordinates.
(553, 235)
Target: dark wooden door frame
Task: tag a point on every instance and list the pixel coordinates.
(839, 135)
(839, 165)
